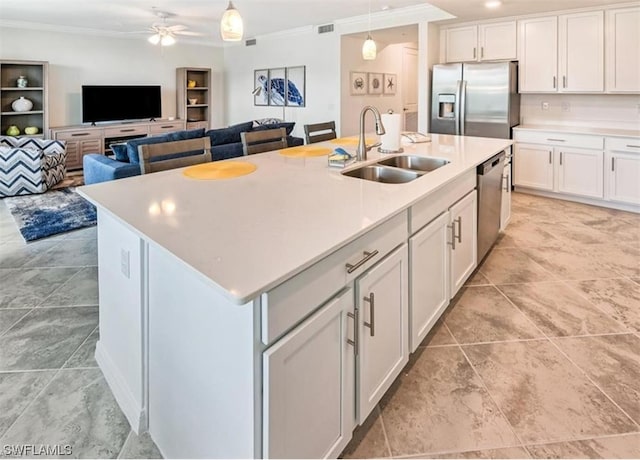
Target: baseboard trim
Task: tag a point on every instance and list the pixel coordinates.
(135, 414)
(583, 200)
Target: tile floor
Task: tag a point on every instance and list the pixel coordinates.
(538, 356)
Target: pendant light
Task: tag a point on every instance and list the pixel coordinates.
(231, 28)
(369, 49)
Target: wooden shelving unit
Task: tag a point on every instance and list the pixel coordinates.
(197, 115)
(36, 73)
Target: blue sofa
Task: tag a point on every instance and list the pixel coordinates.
(225, 143)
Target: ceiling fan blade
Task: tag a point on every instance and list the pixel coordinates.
(189, 33)
(177, 28)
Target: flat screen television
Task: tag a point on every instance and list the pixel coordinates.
(120, 102)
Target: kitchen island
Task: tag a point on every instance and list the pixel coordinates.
(266, 315)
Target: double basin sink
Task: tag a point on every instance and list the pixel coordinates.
(398, 169)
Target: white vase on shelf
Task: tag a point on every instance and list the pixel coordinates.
(22, 105)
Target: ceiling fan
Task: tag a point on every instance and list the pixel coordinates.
(164, 34)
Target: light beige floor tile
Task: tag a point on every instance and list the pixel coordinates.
(623, 259)
(625, 446)
(368, 439)
(482, 314)
(513, 266)
(507, 452)
(440, 405)
(619, 298)
(527, 233)
(559, 311)
(477, 279)
(613, 362)
(438, 335)
(570, 262)
(543, 395)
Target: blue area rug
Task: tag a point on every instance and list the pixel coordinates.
(50, 213)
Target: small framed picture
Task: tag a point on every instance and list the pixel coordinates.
(295, 96)
(390, 83)
(358, 83)
(277, 85)
(260, 87)
(375, 83)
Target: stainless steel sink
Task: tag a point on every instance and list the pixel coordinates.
(383, 174)
(414, 162)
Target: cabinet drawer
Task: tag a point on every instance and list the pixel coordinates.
(198, 125)
(166, 127)
(126, 131)
(78, 135)
(424, 211)
(559, 139)
(625, 144)
(289, 303)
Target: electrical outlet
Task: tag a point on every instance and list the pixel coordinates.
(545, 106)
(566, 107)
(124, 262)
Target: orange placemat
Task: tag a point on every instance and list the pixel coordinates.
(220, 170)
(350, 141)
(305, 151)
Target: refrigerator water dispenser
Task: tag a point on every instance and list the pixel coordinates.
(447, 105)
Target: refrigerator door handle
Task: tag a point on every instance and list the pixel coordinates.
(463, 103)
(457, 106)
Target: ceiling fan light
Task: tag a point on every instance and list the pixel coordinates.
(167, 40)
(231, 27)
(154, 39)
(369, 49)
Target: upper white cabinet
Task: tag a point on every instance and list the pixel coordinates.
(562, 53)
(623, 50)
(484, 42)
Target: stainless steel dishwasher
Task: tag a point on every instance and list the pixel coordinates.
(489, 202)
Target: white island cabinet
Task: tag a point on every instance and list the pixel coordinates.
(270, 323)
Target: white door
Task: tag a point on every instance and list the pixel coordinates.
(623, 171)
(429, 293)
(309, 386)
(580, 172)
(581, 49)
(464, 240)
(623, 50)
(461, 44)
(410, 89)
(538, 54)
(382, 302)
(497, 41)
(505, 209)
(533, 166)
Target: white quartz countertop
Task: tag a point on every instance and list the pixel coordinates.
(593, 130)
(248, 234)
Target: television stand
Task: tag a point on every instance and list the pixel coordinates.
(83, 139)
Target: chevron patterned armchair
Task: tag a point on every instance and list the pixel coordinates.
(30, 165)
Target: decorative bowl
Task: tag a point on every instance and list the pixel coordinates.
(21, 105)
(31, 130)
(193, 101)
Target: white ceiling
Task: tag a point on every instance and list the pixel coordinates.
(130, 18)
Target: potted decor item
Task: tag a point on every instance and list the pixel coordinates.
(22, 81)
(31, 130)
(191, 83)
(22, 105)
(13, 130)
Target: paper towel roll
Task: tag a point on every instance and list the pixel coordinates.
(391, 139)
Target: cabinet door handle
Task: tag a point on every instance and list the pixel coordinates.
(459, 220)
(560, 158)
(564, 81)
(367, 256)
(613, 164)
(633, 146)
(356, 319)
(550, 139)
(453, 236)
(372, 306)
(79, 134)
(166, 127)
(128, 130)
(474, 52)
(481, 52)
(550, 157)
(554, 82)
(505, 178)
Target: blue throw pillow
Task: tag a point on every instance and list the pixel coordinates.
(120, 151)
(288, 125)
(184, 135)
(132, 145)
(228, 135)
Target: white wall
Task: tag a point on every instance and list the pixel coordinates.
(76, 60)
(388, 60)
(318, 52)
(607, 110)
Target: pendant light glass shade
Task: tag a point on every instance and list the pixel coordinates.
(231, 28)
(154, 39)
(167, 40)
(369, 49)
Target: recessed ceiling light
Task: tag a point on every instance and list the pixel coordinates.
(492, 4)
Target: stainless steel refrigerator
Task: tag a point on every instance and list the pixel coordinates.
(475, 99)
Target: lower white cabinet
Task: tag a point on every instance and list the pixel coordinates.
(464, 240)
(429, 257)
(309, 385)
(580, 172)
(505, 207)
(382, 311)
(623, 174)
(533, 166)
